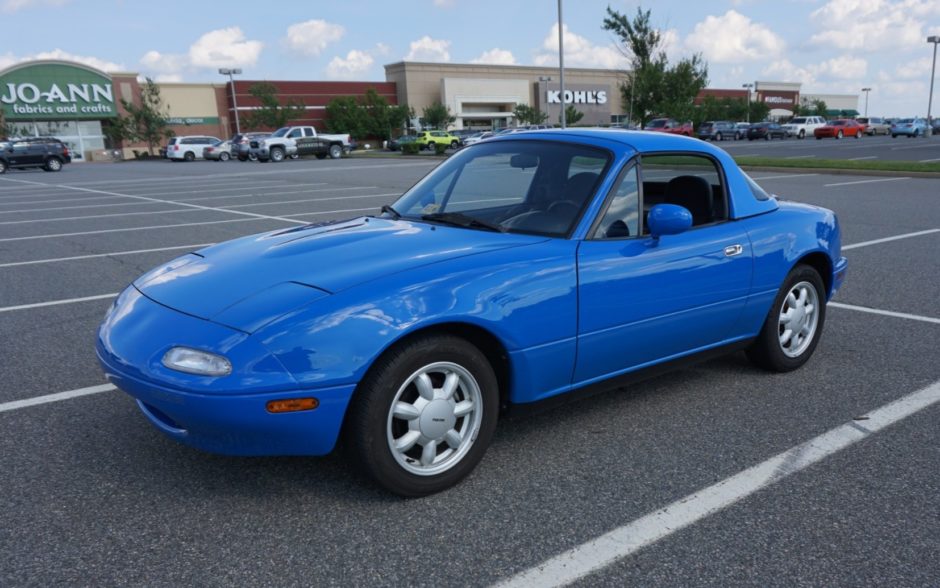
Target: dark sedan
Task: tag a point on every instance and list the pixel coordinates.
(395, 144)
(766, 130)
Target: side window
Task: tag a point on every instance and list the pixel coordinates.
(296, 133)
(308, 132)
(622, 217)
(690, 181)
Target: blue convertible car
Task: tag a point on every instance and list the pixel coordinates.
(524, 269)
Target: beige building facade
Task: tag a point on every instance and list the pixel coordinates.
(484, 96)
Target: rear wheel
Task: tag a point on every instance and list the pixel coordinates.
(53, 164)
(718, 137)
(189, 156)
(3, 167)
(454, 144)
(858, 134)
(423, 417)
(839, 135)
(336, 151)
(795, 322)
(802, 134)
(224, 156)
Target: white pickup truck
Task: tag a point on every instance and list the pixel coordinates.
(295, 141)
(803, 126)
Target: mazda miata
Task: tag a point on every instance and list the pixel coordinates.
(523, 270)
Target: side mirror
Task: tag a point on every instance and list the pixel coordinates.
(668, 219)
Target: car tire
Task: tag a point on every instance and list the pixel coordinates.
(264, 159)
(295, 156)
(839, 135)
(277, 154)
(803, 289)
(392, 410)
(336, 151)
(53, 164)
(718, 136)
(802, 134)
(768, 136)
(189, 156)
(858, 134)
(3, 167)
(454, 144)
(893, 136)
(224, 156)
(916, 133)
(818, 138)
(321, 156)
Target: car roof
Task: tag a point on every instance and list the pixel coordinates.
(642, 141)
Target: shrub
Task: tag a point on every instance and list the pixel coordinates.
(440, 148)
(410, 148)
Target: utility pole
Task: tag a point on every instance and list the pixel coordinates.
(933, 68)
(866, 90)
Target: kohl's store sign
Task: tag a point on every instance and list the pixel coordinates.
(56, 91)
(577, 97)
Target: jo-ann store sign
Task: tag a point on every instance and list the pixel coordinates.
(55, 91)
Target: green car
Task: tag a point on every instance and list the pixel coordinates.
(429, 138)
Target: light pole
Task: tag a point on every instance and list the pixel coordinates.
(748, 88)
(866, 90)
(561, 64)
(233, 72)
(934, 39)
(545, 79)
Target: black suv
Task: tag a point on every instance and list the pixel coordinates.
(48, 153)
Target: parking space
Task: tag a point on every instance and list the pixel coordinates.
(93, 495)
(877, 148)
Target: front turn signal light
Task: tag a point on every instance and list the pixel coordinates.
(292, 405)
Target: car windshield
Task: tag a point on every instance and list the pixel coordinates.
(280, 132)
(515, 186)
(906, 121)
(656, 123)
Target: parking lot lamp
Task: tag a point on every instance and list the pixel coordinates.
(866, 90)
(934, 39)
(748, 88)
(233, 72)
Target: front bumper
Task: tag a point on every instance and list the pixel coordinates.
(229, 421)
(838, 275)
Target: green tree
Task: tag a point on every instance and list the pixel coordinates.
(655, 88)
(822, 109)
(437, 116)
(572, 115)
(368, 116)
(5, 129)
(527, 115)
(345, 115)
(271, 114)
(147, 121)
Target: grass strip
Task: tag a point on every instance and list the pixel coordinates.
(864, 165)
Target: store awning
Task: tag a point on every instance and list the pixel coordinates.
(843, 112)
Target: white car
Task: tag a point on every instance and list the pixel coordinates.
(189, 148)
(477, 137)
(803, 126)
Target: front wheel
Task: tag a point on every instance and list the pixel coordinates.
(424, 415)
(802, 134)
(839, 135)
(795, 322)
(277, 155)
(336, 151)
(718, 137)
(53, 165)
(3, 167)
(858, 134)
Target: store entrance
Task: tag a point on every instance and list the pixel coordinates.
(81, 136)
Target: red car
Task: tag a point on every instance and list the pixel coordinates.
(840, 128)
(668, 125)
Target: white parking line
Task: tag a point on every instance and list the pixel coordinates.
(599, 553)
(888, 239)
(57, 302)
(6, 406)
(94, 216)
(800, 157)
(793, 175)
(861, 158)
(54, 201)
(928, 160)
(865, 182)
(124, 230)
(387, 194)
(335, 211)
(112, 254)
(891, 313)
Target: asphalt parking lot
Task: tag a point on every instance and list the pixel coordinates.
(93, 495)
(876, 148)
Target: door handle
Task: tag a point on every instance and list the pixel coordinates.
(732, 250)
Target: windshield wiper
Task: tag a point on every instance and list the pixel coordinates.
(387, 208)
(461, 220)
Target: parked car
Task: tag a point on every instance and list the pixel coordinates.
(395, 144)
(428, 139)
(803, 126)
(505, 280)
(766, 130)
(296, 141)
(241, 145)
(741, 129)
(668, 125)
(188, 148)
(477, 137)
(221, 151)
(717, 130)
(838, 128)
(911, 127)
(47, 153)
(874, 125)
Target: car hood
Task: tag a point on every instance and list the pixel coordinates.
(251, 281)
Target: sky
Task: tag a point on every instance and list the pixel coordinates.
(834, 46)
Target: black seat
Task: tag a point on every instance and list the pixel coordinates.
(695, 194)
(578, 187)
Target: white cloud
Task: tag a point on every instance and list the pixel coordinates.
(163, 62)
(382, 49)
(872, 25)
(9, 59)
(734, 38)
(9, 6)
(832, 73)
(495, 56)
(579, 52)
(429, 50)
(224, 48)
(312, 37)
(918, 69)
(353, 66)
